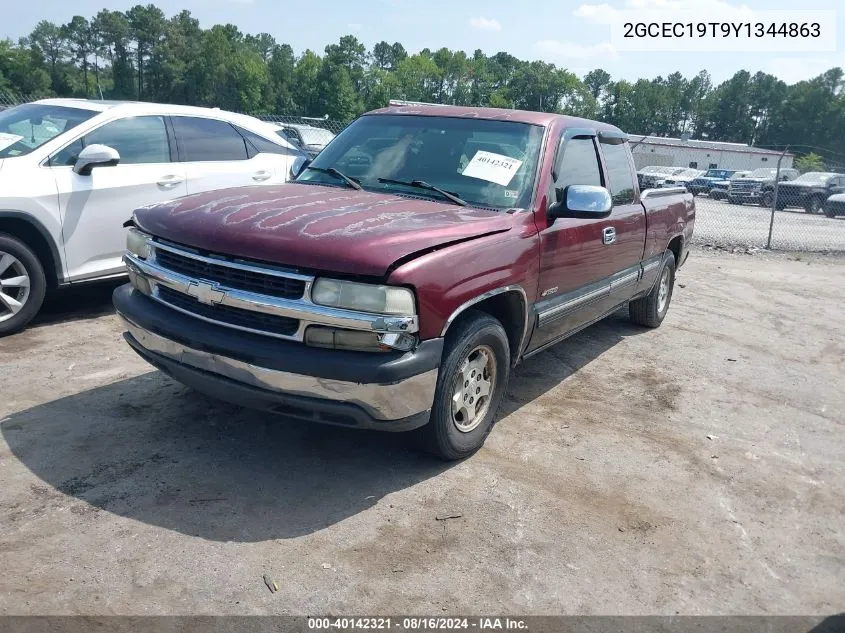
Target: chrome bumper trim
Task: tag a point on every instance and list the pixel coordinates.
(304, 310)
(392, 401)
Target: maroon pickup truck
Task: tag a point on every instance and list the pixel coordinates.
(423, 253)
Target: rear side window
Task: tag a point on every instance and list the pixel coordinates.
(579, 164)
(208, 140)
(619, 172)
(259, 144)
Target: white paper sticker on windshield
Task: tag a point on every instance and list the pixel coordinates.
(492, 167)
(8, 139)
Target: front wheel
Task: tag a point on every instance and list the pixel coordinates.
(651, 309)
(813, 205)
(472, 380)
(732, 200)
(22, 284)
(766, 200)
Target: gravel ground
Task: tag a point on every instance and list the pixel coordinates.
(692, 469)
(720, 223)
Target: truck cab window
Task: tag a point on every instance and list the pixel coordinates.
(619, 172)
(579, 164)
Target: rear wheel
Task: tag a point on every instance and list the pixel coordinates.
(651, 309)
(732, 200)
(472, 380)
(22, 284)
(828, 211)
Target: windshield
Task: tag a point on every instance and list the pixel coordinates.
(315, 136)
(814, 177)
(739, 174)
(762, 173)
(486, 163)
(29, 126)
(717, 173)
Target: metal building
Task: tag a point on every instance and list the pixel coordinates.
(676, 152)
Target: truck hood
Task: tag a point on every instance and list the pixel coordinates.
(752, 180)
(317, 227)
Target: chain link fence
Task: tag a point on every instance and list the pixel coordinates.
(735, 188)
(9, 98)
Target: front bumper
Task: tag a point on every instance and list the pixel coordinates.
(385, 391)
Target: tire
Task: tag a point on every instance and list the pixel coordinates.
(716, 195)
(829, 212)
(813, 205)
(766, 200)
(734, 200)
(20, 302)
(651, 309)
(477, 338)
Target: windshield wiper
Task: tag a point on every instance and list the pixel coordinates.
(421, 184)
(331, 171)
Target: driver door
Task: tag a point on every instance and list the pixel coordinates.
(93, 208)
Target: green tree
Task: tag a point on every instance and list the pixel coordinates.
(809, 162)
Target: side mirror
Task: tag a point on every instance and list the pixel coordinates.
(300, 163)
(581, 201)
(95, 156)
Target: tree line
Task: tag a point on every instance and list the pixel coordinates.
(142, 54)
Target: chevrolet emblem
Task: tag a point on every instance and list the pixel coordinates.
(207, 293)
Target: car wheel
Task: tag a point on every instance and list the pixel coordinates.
(734, 200)
(829, 212)
(813, 205)
(472, 380)
(651, 309)
(22, 284)
(766, 200)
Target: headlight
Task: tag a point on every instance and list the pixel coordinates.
(363, 297)
(137, 243)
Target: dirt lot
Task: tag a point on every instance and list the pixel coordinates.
(695, 469)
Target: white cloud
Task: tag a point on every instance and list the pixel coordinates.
(571, 50)
(485, 24)
(647, 10)
(795, 69)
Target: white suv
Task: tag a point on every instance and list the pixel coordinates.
(72, 171)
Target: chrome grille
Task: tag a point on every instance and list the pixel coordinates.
(227, 315)
(230, 276)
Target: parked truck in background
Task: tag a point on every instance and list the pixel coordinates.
(421, 256)
(810, 191)
(758, 186)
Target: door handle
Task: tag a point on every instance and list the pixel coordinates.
(261, 175)
(608, 235)
(170, 181)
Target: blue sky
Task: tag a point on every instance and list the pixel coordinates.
(565, 33)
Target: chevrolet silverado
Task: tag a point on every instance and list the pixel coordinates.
(395, 284)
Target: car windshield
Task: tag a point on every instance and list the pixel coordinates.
(27, 127)
(765, 172)
(315, 136)
(487, 163)
(717, 173)
(739, 174)
(814, 177)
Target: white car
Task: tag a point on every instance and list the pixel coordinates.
(72, 171)
(309, 138)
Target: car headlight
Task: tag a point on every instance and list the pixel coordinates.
(138, 243)
(363, 297)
